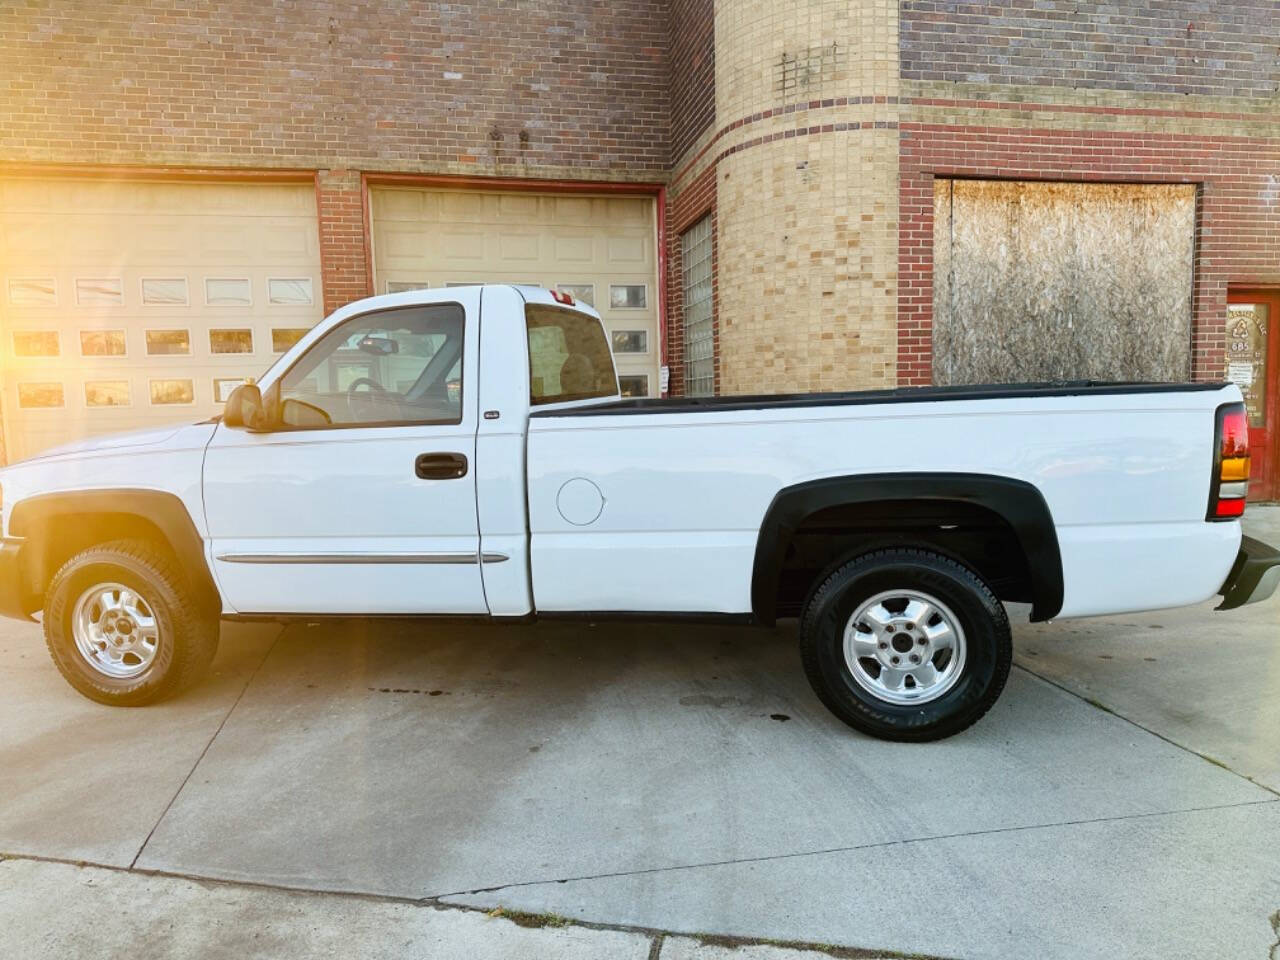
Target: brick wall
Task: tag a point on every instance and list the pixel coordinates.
(541, 87)
(344, 254)
(1174, 46)
(693, 69)
(1238, 228)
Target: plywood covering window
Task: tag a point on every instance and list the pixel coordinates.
(699, 332)
(1061, 281)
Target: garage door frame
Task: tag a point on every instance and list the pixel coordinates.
(656, 191)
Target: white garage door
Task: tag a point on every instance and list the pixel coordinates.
(602, 250)
(133, 304)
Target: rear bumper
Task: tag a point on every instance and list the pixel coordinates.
(15, 598)
(1253, 577)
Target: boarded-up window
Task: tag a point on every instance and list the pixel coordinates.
(1061, 281)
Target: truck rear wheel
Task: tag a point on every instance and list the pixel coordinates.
(124, 627)
(905, 644)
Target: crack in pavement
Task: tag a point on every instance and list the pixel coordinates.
(1274, 953)
(1098, 705)
(657, 936)
(185, 780)
(442, 897)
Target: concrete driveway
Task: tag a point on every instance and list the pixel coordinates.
(1120, 800)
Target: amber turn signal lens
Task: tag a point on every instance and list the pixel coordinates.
(1235, 470)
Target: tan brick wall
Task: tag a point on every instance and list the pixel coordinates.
(806, 188)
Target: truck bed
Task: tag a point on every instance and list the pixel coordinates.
(684, 484)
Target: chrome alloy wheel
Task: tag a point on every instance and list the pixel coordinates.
(904, 647)
(115, 631)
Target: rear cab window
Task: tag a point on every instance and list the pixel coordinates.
(569, 356)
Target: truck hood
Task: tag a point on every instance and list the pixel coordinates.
(150, 437)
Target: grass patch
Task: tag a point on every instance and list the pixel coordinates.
(534, 921)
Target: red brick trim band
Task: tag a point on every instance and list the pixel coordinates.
(780, 110)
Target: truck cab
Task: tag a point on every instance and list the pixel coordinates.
(379, 465)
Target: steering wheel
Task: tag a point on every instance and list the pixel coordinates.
(367, 400)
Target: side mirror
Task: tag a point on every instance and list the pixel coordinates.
(245, 408)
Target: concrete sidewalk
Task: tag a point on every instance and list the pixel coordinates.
(646, 777)
(53, 911)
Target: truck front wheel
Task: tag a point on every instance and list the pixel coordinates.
(124, 627)
(905, 644)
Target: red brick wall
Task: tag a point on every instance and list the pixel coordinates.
(343, 250)
(1238, 228)
(364, 84)
(693, 72)
(1224, 48)
(693, 203)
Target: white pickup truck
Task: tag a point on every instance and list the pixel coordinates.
(465, 452)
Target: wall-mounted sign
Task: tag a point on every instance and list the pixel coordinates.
(1246, 362)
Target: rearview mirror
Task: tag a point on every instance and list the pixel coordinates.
(245, 408)
(379, 346)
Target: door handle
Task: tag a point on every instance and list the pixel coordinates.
(440, 466)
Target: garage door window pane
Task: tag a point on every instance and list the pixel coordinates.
(106, 393)
(162, 342)
(282, 338)
(634, 385)
(391, 366)
(33, 292)
(630, 296)
(400, 286)
(699, 333)
(630, 341)
(289, 291)
(231, 341)
(107, 292)
(228, 292)
(34, 395)
(164, 291)
(223, 386)
(581, 292)
(102, 343)
(569, 356)
(165, 392)
(35, 343)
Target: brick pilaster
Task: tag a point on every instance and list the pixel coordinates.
(344, 250)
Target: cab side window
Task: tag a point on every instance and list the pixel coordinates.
(401, 366)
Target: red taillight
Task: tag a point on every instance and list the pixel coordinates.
(564, 298)
(1230, 481)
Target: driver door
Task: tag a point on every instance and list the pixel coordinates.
(361, 496)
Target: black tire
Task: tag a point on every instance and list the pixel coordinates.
(187, 634)
(987, 644)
